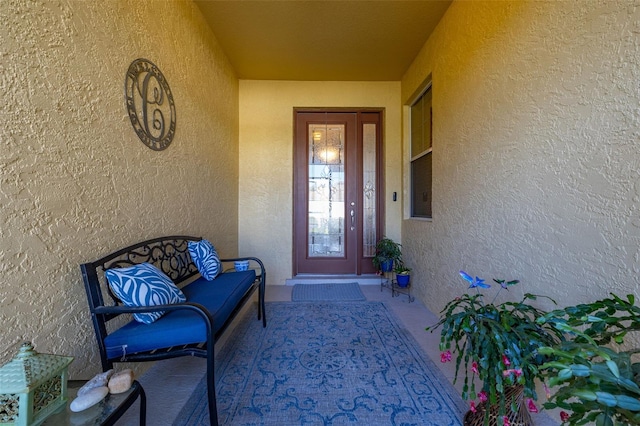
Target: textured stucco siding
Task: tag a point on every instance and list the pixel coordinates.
(536, 150)
(75, 181)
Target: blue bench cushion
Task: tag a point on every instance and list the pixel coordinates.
(182, 327)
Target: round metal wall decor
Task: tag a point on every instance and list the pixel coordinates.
(150, 104)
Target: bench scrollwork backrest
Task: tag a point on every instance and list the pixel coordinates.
(169, 254)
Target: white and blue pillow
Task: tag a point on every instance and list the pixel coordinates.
(206, 259)
(144, 285)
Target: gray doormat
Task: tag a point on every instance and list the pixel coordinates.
(333, 292)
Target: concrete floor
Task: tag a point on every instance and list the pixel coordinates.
(168, 384)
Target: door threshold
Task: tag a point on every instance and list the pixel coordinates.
(368, 279)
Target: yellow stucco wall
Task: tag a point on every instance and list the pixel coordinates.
(75, 181)
(266, 159)
(536, 154)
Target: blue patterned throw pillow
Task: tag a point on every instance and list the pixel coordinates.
(206, 258)
(144, 285)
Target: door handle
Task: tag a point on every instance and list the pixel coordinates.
(353, 220)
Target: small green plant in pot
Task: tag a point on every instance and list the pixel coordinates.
(403, 274)
(591, 380)
(388, 252)
(496, 345)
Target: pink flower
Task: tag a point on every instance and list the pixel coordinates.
(564, 416)
(547, 390)
(505, 421)
(474, 367)
(531, 406)
(483, 396)
(472, 407)
(505, 360)
(516, 371)
(445, 356)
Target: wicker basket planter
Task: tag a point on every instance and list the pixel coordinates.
(514, 398)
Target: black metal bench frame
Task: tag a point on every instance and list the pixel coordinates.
(171, 255)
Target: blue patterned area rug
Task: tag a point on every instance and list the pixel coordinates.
(325, 364)
(333, 292)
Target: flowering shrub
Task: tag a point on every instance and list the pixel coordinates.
(495, 344)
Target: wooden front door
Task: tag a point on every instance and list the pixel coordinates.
(337, 191)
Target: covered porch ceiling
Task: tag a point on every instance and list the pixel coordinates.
(329, 40)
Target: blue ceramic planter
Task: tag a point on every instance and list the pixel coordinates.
(403, 279)
(387, 265)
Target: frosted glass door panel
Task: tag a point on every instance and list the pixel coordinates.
(326, 211)
(369, 189)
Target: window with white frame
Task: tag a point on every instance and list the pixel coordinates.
(421, 145)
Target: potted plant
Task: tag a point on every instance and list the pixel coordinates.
(495, 344)
(403, 274)
(388, 252)
(590, 379)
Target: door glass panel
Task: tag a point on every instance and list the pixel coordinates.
(369, 189)
(326, 229)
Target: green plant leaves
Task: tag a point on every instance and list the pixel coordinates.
(502, 339)
(606, 399)
(628, 403)
(603, 380)
(565, 374)
(585, 394)
(580, 370)
(613, 368)
(603, 420)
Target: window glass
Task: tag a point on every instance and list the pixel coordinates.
(421, 187)
(421, 149)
